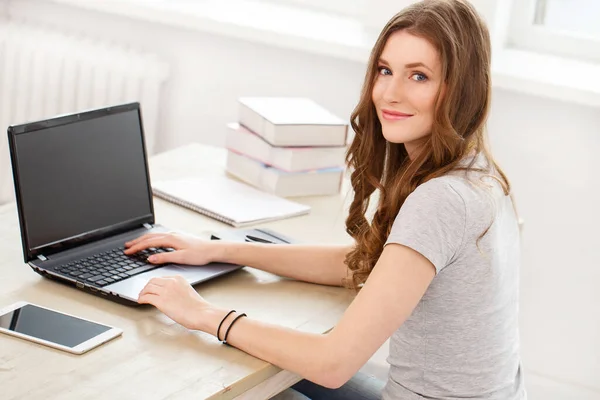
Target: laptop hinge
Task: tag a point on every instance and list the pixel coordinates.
(42, 257)
(147, 226)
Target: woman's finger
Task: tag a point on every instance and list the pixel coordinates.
(149, 298)
(158, 281)
(143, 237)
(151, 288)
(175, 257)
(159, 241)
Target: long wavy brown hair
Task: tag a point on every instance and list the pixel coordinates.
(461, 37)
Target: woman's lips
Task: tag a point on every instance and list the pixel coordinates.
(394, 115)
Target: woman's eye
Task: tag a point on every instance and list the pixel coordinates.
(419, 77)
(384, 71)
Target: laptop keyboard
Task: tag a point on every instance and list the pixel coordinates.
(110, 266)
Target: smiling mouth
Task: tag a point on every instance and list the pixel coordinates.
(394, 115)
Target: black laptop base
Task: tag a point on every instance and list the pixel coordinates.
(88, 289)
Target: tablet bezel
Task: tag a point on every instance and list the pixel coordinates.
(81, 348)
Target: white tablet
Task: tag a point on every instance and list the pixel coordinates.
(54, 328)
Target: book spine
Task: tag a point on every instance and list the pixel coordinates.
(191, 206)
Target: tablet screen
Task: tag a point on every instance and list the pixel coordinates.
(50, 325)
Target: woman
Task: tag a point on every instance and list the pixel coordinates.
(436, 269)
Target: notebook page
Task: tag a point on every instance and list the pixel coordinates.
(236, 201)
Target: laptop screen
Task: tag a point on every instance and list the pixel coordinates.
(82, 175)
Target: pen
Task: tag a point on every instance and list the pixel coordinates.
(250, 238)
(268, 233)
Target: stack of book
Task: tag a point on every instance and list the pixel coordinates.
(288, 146)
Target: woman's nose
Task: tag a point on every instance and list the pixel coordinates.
(393, 92)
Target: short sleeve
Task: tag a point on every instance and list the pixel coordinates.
(431, 221)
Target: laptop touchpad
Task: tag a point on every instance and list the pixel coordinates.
(193, 274)
(140, 281)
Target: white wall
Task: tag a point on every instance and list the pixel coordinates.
(545, 146)
(209, 72)
(549, 150)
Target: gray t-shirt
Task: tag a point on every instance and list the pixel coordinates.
(462, 339)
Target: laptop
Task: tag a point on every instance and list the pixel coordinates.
(83, 189)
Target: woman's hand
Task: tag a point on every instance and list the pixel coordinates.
(188, 249)
(177, 299)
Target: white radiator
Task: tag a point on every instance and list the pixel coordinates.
(44, 73)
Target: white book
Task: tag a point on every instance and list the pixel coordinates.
(292, 121)
(281, 183)
(291, 159)
(227, 200)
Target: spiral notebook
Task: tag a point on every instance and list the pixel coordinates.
(227, 200)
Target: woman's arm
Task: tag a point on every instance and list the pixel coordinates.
(392, 291)
(315, 264)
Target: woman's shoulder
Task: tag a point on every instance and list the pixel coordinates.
(436, 198)
(437, 189)
(473, 191)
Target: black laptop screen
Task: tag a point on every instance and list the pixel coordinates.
(82, 177)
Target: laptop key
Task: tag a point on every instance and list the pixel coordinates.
(110, 266)
(139, 270)
(95, 278)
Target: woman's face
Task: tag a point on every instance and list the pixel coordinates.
(408, 78)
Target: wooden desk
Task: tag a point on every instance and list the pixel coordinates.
(156, 358)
